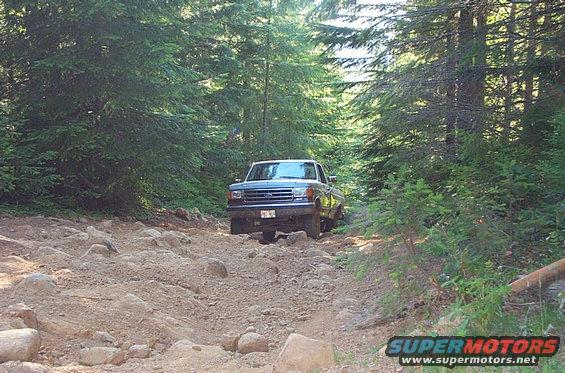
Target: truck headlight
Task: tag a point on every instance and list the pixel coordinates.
(235, 194)
(299, 192)
(303, 193)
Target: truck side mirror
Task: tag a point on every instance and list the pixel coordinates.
(238, 180)
(332, 179)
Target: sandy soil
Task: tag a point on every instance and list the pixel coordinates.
(157, 292)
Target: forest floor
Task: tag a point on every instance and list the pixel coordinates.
(158, 291)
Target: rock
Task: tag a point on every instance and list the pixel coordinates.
(303, 354)
(229, 341)
(39, 282)
(169, 239)
(106, 224)
(183, 214)
(214, 267)
(47, 250)
(139, 351)
(134, 304)
(103, 337)
(316, 252)
(98, 249)
(23, 367)
(19, 344)
(252, 342)
(22, 311)
(151, 233)
(95, 234)
(139, 225)
(295, 237)
(181, 236)
(101, 355)
(250, 329)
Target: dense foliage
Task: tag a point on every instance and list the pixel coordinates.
(464, 111)
(118, 105)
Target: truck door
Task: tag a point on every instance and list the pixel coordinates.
(326, 197)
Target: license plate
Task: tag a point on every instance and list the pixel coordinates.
(268, 214)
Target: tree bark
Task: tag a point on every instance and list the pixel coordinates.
(509, 74)
(540, 277)
(464, 63)
(530, 56)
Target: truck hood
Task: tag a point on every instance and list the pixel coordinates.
(268, 184)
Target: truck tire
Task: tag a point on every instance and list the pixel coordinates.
(312, 224)
(329, 225)
(236, 226)
(269, 236)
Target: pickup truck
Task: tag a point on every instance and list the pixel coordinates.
(285, 195)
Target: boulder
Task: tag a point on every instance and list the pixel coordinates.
(98, 249)
(24, 312)
(183, 214)
(39, 282)
(23, 367)
(19, 344)
(139, 225)
(252, 342)
(316, 252)
(134, 304)
(101, 355)
(103, 337)
(214, 267)
(295, 237)
(169, 239)
(139, 351)
(150, 232)
(303, 354)
(181, 236)
(48, 250)
(229, 341)
(95, 234)
(106, 224)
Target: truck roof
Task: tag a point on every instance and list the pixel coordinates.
(286, 161)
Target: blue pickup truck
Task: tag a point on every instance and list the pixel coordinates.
(285, 195)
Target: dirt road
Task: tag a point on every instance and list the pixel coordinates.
(165, 291)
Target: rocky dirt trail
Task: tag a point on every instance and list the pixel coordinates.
(174, 296)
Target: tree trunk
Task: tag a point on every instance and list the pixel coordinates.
(450, 87)
(479, 69)
(509, 74)
(464, 63)
(266, 88)
(530, 56)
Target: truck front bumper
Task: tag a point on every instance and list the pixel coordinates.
(281, 210)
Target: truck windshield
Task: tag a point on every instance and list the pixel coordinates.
(282, 170)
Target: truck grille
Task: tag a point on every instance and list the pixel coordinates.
(268, 195)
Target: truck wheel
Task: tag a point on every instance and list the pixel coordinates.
(236, 226)
(312, 224)
(329, 225)
(269, 236)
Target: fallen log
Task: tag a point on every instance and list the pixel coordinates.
(540, 277)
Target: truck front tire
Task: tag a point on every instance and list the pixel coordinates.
(269, 236)
(236, 226)
(312, 224)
